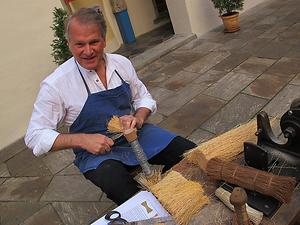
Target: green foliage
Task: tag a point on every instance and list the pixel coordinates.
(60, 50)
(226, 7)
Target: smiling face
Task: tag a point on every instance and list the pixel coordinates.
(86, 44)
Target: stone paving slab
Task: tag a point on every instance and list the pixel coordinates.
(296, 80)
(199, 136)
(24, 188)
(26, 164)
(57, 161)
(13, 213)
(266, 86)
(81, 213)
(282, 101)
(3, 170)
(179, 80)
(287, 67)
(192, 115)
(2, 180)
(71, 188)
(12, 150)
(254, 65)
(230, 85)
(152, 54)
(208, 61)
(241, 109)
(45, 216)
(70, 170)
(179, 99)
(235, 59)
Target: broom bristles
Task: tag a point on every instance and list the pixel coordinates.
(225, 146)
(148, 181)
(279, 187)
(114, 125)
(180, 197)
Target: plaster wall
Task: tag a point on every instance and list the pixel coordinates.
(198, 16)
(142, 15)
(25, 60)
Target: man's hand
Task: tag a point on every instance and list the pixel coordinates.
(129, 121)
(96, 143)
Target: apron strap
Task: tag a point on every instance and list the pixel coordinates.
(119, 76)
(85, 84)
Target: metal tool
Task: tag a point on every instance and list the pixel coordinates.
(115, 218)
(272, 154)
(280, 157)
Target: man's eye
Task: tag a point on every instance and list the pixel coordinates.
(79, 44)
(94, 42)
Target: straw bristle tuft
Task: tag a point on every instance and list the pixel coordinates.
(279, 187)
(114, 125)
(181, 197)
(148, 181)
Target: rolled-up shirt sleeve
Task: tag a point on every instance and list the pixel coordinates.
(140, 95)
(47, 114)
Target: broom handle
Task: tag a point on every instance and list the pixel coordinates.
(238, 199)
(141, 157)
(131, 137)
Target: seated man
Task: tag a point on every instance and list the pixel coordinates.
(84, 93)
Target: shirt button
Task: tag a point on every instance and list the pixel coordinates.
(97, 80)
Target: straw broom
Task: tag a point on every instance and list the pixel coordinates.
(225, 146)
(182, 198)
(279, 187)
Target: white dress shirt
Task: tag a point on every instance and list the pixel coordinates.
(63, 94)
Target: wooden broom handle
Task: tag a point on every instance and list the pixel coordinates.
(238, 199)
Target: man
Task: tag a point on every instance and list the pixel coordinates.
(83, 94)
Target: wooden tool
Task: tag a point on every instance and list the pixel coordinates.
(238, 199)
(254, 215)
(279, 187)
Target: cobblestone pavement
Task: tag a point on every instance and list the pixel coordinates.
(203, 88)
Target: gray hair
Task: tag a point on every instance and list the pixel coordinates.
(89, 16)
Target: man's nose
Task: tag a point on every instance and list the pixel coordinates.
(88, 50)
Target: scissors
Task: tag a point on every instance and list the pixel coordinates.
(115, 218)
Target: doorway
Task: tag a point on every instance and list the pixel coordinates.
(161, 10)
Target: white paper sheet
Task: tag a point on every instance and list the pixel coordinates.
(142, 206)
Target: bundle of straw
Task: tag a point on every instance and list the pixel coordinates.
(279, 187)
(180, 197)
(114, 125)
(225, 146)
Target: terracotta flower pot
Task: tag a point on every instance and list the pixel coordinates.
(231, 22)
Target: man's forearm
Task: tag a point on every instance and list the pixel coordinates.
(65, 141)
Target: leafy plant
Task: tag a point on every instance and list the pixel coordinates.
(227, 7)
(60, 50)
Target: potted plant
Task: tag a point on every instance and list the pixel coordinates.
(228, 13)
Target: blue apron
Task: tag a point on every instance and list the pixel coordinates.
(93, 118)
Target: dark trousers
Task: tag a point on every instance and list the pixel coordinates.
(115, 179)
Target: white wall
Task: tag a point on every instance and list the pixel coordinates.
(142, 15)
(25, 60)
(197, 16)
